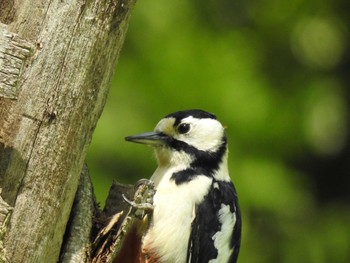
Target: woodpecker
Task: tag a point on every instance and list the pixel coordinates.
(196, 216)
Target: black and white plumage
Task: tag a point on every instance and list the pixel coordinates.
(196, 217)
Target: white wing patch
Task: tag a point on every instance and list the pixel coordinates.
(223, 237)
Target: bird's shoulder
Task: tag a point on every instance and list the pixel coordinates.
(216, 228)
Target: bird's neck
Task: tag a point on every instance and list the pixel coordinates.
(171, 164)
(169, 158)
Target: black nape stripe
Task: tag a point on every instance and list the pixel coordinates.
(184, 176)
(204, 163)
(199, 114)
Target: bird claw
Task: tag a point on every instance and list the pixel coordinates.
(146, 182)
(146, 206)
(143, 198)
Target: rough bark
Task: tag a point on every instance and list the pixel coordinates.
(56, 62)
(76, 245)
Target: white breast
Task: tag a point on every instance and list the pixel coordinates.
(173, 214)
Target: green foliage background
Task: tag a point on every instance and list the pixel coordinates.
(276, 74)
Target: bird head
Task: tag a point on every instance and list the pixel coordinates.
(186, 137)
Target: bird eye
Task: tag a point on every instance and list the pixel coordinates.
(183, 128)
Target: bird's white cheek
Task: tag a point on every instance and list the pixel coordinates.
(205, 139)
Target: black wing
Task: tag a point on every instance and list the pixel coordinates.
(201, 246)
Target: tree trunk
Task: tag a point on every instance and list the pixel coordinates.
(56, 62)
